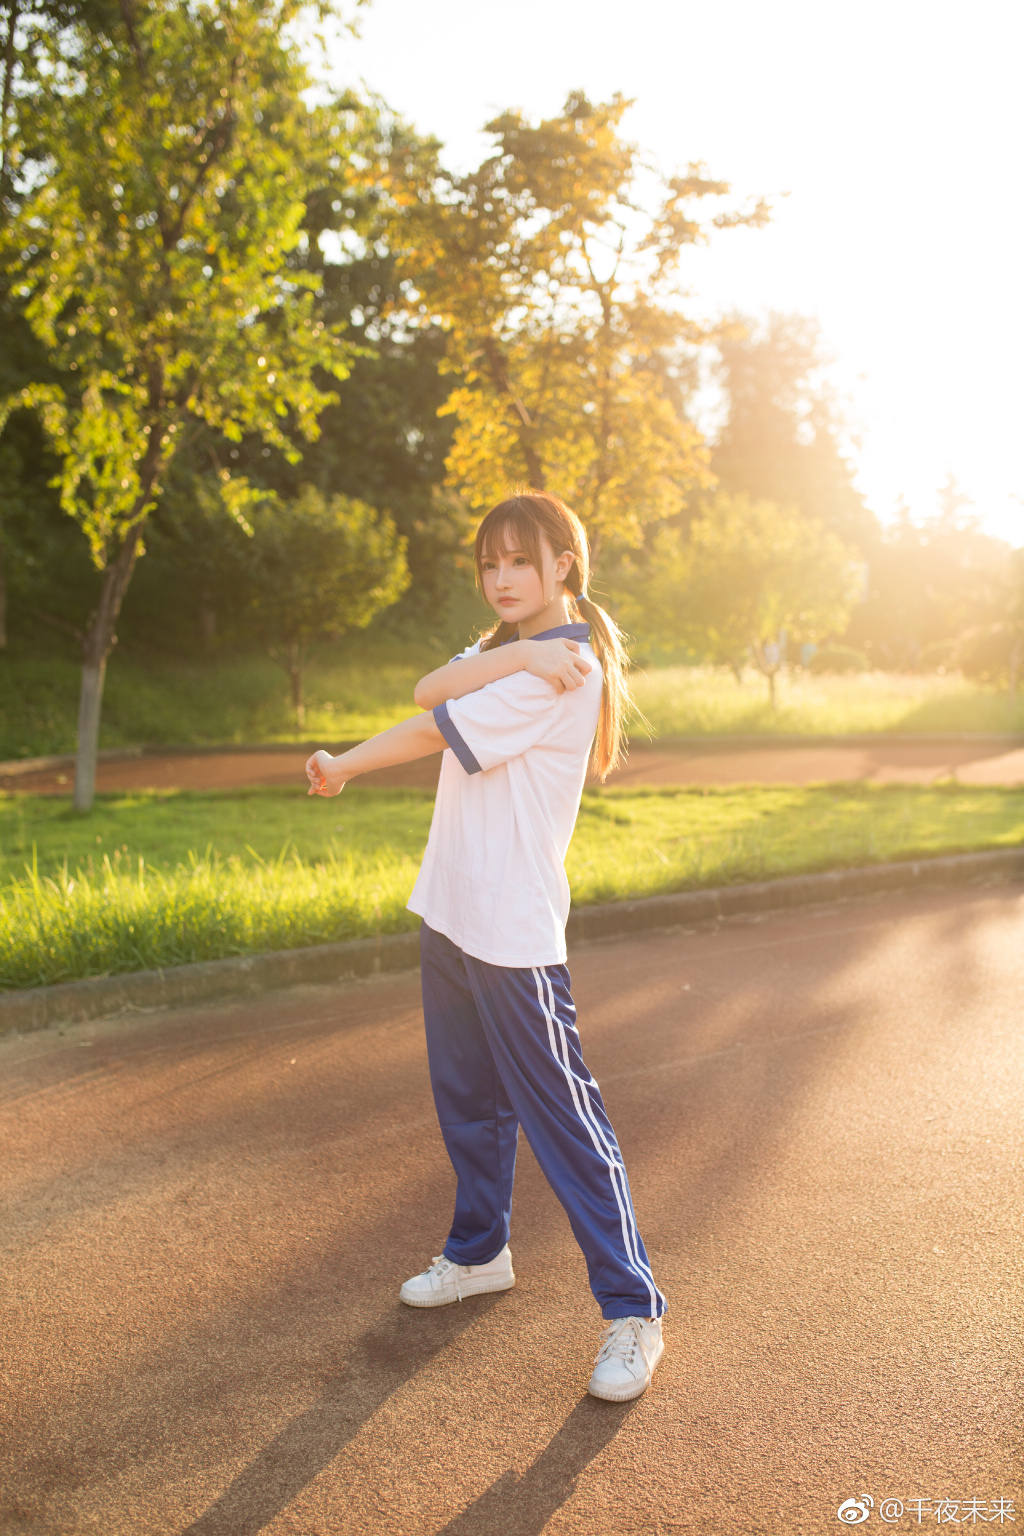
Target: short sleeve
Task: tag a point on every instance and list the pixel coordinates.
(498, 722)
(471, 650)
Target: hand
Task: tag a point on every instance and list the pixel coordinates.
(324, 777)
(557, 662)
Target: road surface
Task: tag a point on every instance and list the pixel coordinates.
(877, 762)
(208, 1215)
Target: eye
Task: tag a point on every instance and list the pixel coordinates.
(520, 560)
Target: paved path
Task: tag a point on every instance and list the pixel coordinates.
(207, 1216)
(880, 762)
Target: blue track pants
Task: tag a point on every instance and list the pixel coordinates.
(504, 1051)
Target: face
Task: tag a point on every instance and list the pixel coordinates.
(516, 590)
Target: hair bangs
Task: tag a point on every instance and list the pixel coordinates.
(508, 529)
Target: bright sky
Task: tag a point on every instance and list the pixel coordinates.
(895, 127)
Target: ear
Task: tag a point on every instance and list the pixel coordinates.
(563, 565)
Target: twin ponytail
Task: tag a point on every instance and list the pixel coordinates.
(520, 523)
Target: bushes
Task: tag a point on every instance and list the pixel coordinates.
(839, 659)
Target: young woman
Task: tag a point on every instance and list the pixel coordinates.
(519, 712)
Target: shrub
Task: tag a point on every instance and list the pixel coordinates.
(839, 658)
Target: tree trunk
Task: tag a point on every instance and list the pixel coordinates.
(501, 381)
(99, 641)
(295, 675)
(765, 666)
(3, 594)
(8, 87)
(1015, 661)
(534, 468)
(207, 619)
(90, 702)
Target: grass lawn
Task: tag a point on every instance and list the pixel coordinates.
(158, 879)
(177, 703)
(695, 701)
(352, 693)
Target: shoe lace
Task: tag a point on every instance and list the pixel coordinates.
(441, 1266)
(620, 1339)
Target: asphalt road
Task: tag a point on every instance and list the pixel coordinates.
(879, 761)
(208, 1214)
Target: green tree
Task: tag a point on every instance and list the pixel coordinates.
(934, 580)
(993, 650)
(751, 579)
(558, 293)
(176, 157)
(382, 442)
(318, 569)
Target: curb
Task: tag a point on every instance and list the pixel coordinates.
(76, 1002)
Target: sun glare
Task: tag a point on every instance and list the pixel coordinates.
(888, 137)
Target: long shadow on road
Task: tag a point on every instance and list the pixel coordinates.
(522, 1506)
(380, 1362)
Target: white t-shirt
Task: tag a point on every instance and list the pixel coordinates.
(493, 877)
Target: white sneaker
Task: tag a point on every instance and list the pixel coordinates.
(626, 1361)
(444, 1281)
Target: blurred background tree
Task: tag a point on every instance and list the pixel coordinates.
(316, 570)
(751, 581)
(932, 581)
(785, 437)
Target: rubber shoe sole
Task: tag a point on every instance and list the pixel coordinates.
(629, 1390)
(479, 1287)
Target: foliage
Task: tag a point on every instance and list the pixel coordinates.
(172, 180)
(934, 582)
(319, 569)
(380, 442)
(383, 442)
(994, 650)
(751, 578)
(112, 911)
(838, 658)
(176, 156)
(556, 290)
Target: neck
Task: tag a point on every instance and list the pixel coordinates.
(550, 617)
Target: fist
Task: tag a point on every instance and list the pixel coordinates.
(323, 777)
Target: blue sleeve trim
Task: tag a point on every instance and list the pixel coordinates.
(447, 727)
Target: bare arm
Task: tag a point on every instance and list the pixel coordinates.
(557, 661)
(418, 737)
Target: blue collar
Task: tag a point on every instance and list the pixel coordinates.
(560, 632)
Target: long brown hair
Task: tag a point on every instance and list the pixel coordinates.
(520, 522)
